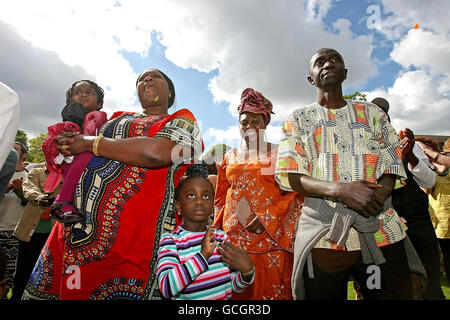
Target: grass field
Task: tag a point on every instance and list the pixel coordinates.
(352, 295)
(444, 284)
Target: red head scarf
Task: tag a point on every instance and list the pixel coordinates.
(254, 102)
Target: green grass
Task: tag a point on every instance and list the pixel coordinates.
(351, 295)
(444, 284)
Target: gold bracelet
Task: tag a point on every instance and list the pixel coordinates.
(95, 145)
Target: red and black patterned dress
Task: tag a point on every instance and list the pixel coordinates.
(112, 254)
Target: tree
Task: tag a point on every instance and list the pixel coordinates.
(35, 153)
(356, 96)
(21, 136)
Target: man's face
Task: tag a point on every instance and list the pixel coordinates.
(326, 69)
(21, 155)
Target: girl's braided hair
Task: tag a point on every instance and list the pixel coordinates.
(194, 171)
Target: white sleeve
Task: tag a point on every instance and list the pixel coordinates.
(422, 173)
(9, 121)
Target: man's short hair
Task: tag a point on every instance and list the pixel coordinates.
(325, 49)
(23, 148)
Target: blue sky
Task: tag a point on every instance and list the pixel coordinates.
(213, 50)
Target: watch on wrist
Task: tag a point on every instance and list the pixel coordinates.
(248, 273)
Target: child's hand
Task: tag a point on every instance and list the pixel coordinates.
(208, 248)
(235, 257)
(14, 185)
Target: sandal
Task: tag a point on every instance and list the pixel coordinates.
(70, 216)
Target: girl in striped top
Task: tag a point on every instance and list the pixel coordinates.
(194, 260)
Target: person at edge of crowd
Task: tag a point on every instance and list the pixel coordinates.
(7, 171)
(84, 99)
(440, 160)
(439, 198)
(251, 208)
(411, 203)
(33, 227)
(196, 261)
(9, 123)
(344, 156)
(3, 259)
(139, 160)
(11, 209)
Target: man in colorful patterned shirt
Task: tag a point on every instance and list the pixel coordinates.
(345, 157)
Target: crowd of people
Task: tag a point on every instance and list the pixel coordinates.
(125, 207)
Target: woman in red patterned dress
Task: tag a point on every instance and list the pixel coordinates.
(125, 194)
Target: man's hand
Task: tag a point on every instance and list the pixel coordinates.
(361, 197)
(47, 200)
(406, 146)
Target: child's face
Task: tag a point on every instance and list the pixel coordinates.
(85, 94)
(196, 202)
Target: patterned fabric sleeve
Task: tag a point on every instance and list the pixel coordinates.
(291, 155)
(222, 187)
(390, 153)
(184, 131)
(172, 275)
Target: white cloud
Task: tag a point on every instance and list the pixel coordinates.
(39, 77)
(401, 16)
(263, 44)
(420, 95)
(316, 10)
(229, 136)
(423, 49)
(417, 102)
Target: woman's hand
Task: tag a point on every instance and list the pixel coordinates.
(72, 143)
(235, 257)
(207, 248)
(254, 225)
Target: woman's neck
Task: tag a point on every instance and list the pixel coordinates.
(155, 110)
(256, 145)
